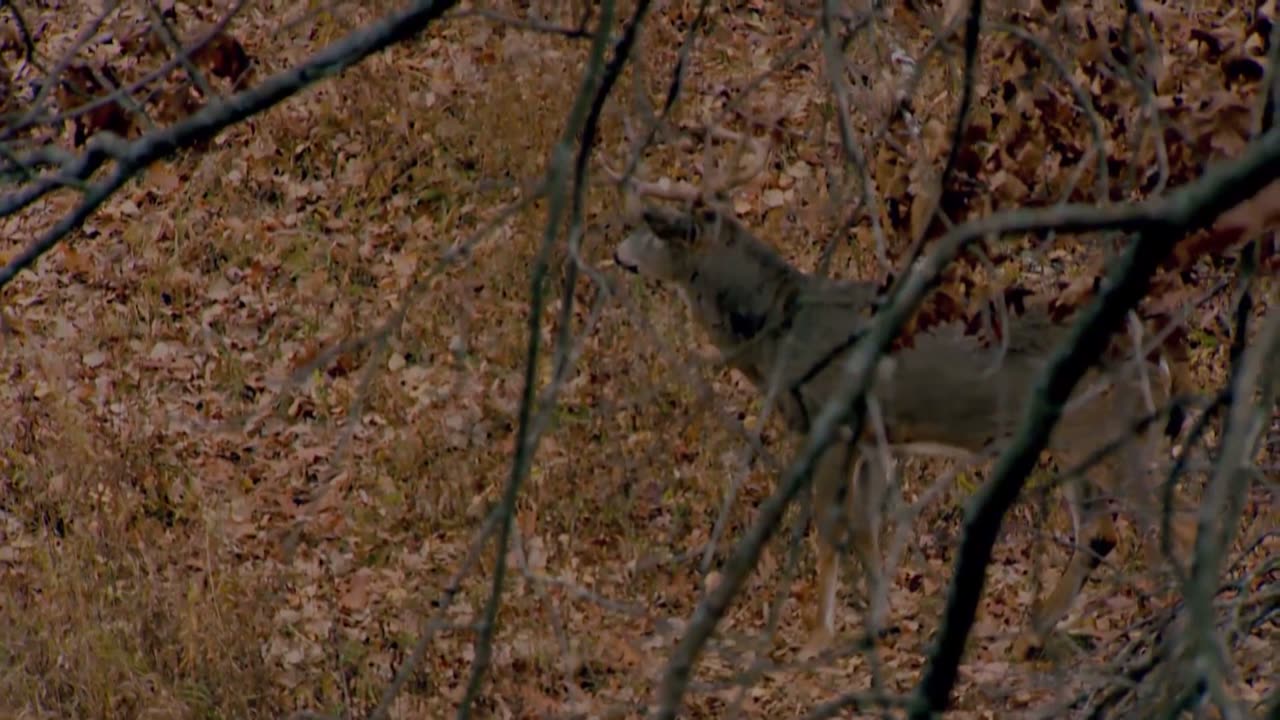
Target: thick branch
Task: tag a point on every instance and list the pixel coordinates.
(983, 520)
(1223, 500)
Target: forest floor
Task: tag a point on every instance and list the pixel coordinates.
(185, 534)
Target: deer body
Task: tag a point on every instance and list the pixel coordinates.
(787, 331)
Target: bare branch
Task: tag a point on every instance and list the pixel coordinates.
(1221, 506)
(972, 33)
(573, 33)
(209, 121)
(854, 157)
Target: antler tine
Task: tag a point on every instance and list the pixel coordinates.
(713, 189)
(717, 185)
(663, 188)
(760, 154)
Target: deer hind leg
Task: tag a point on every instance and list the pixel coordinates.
(864, 505)
(822, 624)
(830, 484)
(1094, 538)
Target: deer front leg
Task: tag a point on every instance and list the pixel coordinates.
(823, 621)
(837, 515)
(864, 532)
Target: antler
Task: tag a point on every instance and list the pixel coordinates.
(713, 188)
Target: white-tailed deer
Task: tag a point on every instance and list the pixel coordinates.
(786, 331)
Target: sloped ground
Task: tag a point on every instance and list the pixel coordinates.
(175, 540)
